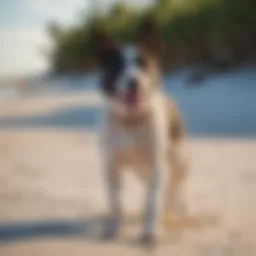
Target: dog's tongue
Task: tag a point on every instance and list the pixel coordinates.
(131, 99)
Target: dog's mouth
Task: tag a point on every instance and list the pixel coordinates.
(130, 99)
(130, 106)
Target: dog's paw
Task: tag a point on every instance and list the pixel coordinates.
(110, 230)
(151, 239)
(108, 234)
(148, 240)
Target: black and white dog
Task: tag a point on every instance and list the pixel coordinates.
(142, 129)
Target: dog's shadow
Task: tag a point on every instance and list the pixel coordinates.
(88, 228)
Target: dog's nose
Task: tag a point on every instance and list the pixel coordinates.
(133, 85)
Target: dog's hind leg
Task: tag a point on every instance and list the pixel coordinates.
(178, 162)
(175, 194)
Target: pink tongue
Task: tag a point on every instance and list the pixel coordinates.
(131, 99)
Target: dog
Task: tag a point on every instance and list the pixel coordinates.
(142, 129)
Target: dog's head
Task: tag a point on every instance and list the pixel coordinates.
(130, 74)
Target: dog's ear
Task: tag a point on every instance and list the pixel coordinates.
(108, 55)
(148, 35)
(103, 47)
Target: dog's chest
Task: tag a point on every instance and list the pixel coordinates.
(135, 142)
(125, 139)
(131, 147)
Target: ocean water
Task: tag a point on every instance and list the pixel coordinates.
(7, 93)
(221, 105)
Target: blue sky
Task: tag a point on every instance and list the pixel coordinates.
(22, 30)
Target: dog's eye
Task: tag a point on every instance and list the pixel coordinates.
(141, 62)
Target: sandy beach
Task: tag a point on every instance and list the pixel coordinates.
(50, 184)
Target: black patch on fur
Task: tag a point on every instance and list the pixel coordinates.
(112, 63)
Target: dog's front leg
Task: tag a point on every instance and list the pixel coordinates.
(112, 181)
(152, 227)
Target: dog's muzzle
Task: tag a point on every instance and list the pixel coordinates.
(131, 95)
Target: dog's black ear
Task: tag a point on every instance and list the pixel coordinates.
(103, 47)
(108, 55)
(148, 35)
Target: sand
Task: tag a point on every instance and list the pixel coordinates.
(50, 174)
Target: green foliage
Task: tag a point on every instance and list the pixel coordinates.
(191, 30)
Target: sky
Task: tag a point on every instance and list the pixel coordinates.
(22, 30)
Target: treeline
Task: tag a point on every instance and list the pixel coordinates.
(191, 31)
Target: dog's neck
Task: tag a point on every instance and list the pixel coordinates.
(131, 121)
